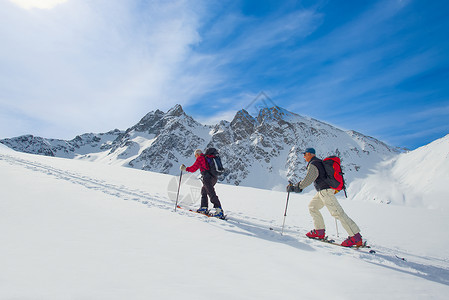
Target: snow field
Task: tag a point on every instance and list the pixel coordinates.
(79, 230)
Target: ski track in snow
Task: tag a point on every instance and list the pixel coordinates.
(430, 268)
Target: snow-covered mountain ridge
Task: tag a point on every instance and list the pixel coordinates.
(418, 178)
(270, 144)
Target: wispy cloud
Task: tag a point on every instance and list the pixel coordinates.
(240, 48)
(93, 65)
(90, 62)
(432, 112)
(352, 55)
(41, 4)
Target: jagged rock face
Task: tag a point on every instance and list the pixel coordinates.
(81, 144)
(243, 125)
(149, 123)
(30, 144)
(272, 145)
(161, 139)
(263, 151)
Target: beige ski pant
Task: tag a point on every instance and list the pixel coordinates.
(327, 198)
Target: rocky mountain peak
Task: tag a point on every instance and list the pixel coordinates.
(274, 113)
(243, 125)
(242, 116)
(149, 120)
(176, 111)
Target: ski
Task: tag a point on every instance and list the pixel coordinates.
(364, 246)
(209, 215)
(333, 242)
(206, 215)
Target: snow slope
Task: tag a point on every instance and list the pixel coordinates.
(79, 230)
(416, 179)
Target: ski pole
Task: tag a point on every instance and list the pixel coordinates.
(285, 213)
(177, 194)
(336, 226)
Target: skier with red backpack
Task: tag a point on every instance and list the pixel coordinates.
(210, 167)
(327, 185)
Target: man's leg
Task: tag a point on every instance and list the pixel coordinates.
(314, 209)
(335, 209)
(204, 200)
(209, 183)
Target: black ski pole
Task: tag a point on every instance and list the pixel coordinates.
(177, 194)
(285, 213)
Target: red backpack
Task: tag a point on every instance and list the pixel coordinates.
(334, 173)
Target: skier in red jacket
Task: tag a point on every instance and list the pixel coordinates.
(209, 181)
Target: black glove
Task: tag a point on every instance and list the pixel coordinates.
(297, 189)
(290, 188)
(293, 188)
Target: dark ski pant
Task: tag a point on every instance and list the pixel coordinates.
(208, 190)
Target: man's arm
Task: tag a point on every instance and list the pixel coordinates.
(194, 167)
(311, 176)
(199, 164)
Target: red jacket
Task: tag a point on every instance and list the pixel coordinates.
(200, 163)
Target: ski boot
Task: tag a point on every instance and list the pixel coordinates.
(218, 213)
(353, 241)
(203, 210)
(316, 234)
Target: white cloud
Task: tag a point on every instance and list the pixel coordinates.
(42, 4)
(432, 112)
(227, 115)
(97, 65)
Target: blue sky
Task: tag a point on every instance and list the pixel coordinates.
(378, 67)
